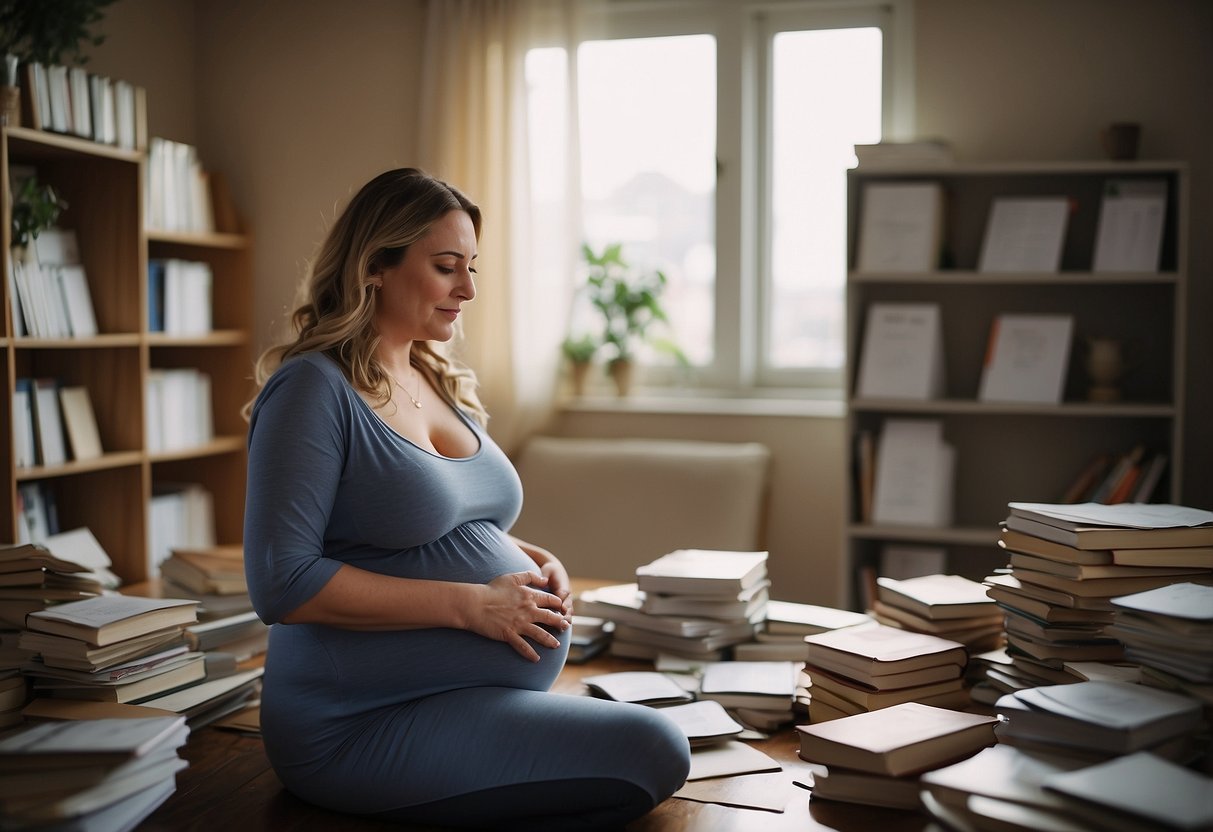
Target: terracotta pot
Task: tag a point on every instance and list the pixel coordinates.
(621, 371)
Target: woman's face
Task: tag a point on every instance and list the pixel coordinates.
(421, 297)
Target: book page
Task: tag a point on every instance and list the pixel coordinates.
(1129, 236)
(1125, 515)
(1027, 359)
(902, 353)
(1024, 235)
(900, 227)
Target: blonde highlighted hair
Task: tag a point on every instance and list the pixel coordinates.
(335, 316)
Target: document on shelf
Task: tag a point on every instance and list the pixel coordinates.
(1129, 235)
(1027, 359)
(914, 468)
(900, 227)
(1024, 235)
(902, 352)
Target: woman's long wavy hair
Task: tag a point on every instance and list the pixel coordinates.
(336, 314)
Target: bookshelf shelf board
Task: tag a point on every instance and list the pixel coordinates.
(35, 145)
(218, 338)
(1133, 410)
(105, 462)
(216, 447)
(118, 339)
(956, 535)
(1014, 278)
(1091, 167)
(213, 240)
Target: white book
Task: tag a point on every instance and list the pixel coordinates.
(82, 547)
(703, 722)
(14, 298)
(914, 474)
(643, 687)
(1027, 359)
(1024, 235)
(82, 120)
(81, 422)
(55, 303)
(84, 741)
(1129, 235)
(900, 227)
(24, 441)
(60, 99)
(49, 422)
(77, 302)
(902, 354)
(702, 571)
(755, 684)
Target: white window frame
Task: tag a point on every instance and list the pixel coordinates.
(744, 31)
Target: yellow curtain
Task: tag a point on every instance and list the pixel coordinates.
(473, 134)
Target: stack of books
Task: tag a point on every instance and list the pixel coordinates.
(111, 648)
(590, 636)
(759, 694)
(722, 596)
(861, 669)
(213, 570)
(1169, 632)
(13, 694)
(1067, 563)
(639, 635)
(878, 758)
(89, 773)
(32, 576)
(781, 636)
(1099, 720)
(948, 606)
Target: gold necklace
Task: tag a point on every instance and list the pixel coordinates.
(414, 399)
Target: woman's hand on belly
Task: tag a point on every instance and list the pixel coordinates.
(517, 606)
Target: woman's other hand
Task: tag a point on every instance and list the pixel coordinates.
(516, 607)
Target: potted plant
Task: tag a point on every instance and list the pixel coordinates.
(36, 207)
(43, 32)
(580, 352)
(630, 304)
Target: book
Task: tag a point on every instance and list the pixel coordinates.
(81, 422)
(190, 670)
(870, 700)
(1111, 717)
(896, 741)
(702, 572)
(1196, 556)
(805, 619)
(727, 758)
(945, 627)
(1002, 772)
(25, 443)
(1094, 587)
(881, 650)
(108, 619)
(1121, 477)
(914, 474)
(900, 227)
(763, 685)
(60, 743)
(1130, 792)
(1186, 601)
(1013, 541)
(1083, 572)
(76, 301)
(867, 789)
(48, 422)
(1024, 234)
(1008, 587)
(937, 596)
(1128, 237)
(1122, 526)
(922, 151)
(744, 605)
(643, 687)
(704, 723)
(1026, 359)
(902, 354)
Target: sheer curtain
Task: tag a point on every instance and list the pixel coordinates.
(473, 132)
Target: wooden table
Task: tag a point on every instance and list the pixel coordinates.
(230, 785)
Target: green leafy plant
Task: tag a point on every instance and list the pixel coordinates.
(581, 349)
(629, 303)
(50, 31)
(36, 207)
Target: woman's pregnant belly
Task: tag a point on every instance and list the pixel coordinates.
(319, 672)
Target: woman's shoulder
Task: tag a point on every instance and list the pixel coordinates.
(312, 374)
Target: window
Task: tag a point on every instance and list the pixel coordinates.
(712, 141)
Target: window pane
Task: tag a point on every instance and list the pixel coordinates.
(648, 167)
(826, 98)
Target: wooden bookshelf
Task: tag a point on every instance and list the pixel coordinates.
(104, 189)
(1013, 451)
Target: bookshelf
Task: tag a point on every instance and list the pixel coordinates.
(1021, 451)
(104, 188)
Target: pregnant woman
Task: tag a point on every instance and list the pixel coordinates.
(414, 640)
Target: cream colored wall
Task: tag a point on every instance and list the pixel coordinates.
(298, 101)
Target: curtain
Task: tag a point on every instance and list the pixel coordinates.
(473, 133)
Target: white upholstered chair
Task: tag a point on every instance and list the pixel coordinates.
(606, 506)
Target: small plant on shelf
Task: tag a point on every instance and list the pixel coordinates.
(630, 304)
(36, 207)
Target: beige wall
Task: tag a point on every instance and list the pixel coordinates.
(297, 101)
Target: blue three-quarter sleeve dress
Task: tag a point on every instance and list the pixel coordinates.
(416, 724)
